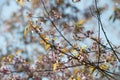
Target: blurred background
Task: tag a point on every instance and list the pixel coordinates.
(14, 17)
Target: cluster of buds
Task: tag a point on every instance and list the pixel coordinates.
(18, 60)
(4, 70)
(56, 15)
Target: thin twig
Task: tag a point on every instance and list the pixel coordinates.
(98, 15)
(100, 22)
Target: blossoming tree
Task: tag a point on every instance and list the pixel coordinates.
(68, 49)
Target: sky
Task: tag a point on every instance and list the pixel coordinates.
(112, 29)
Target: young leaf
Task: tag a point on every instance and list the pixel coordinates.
(42, 42)
(10, 58)
(92, 69)
(25, 31)
(103, 66)
(28, 28)
(47, 46)
(76, 70)
(78, 78)
(18, 51)
(55, 66)
(80, 22)
(64, 50)
(82, 49)
(20, 2)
